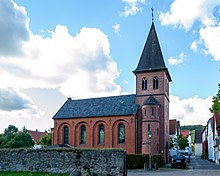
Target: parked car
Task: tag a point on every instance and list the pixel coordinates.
(187, 156)
(178, 161)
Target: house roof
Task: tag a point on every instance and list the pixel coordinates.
(151, 57)
(198, 136)
(185, 133)
(151, 101)
(98, 107)
(172, 126)
(36, 135)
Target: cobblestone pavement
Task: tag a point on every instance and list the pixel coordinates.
(197, 167)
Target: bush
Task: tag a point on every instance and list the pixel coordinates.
(137, 161)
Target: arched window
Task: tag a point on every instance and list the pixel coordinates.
(65, 135)
(144, 84)
(101, 134)
(121, 133)
(155, 82)
(83, 135)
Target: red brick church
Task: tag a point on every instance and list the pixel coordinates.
(123, 121)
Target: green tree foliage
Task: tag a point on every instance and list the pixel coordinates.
(182, 142)
(46, 140)
(216, 102)
(12, 138)
(11, 130)
(192, 127)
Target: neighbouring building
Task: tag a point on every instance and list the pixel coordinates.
(211, 139)
(174, 130)
(198, 143)
(216, 133)
(36, 135)
(205, 142)
(123, 121)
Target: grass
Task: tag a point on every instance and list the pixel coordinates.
(29, 174)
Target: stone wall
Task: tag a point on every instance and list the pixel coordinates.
(106, 162)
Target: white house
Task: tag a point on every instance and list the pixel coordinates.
(210, 138)
(216, 128)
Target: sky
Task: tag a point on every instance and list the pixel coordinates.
(51, 50)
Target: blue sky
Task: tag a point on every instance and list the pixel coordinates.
(51, 50)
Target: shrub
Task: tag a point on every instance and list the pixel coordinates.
(137, 161)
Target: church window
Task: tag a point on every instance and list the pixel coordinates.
(144, 84)
(101, 134)
(155, 82)
(153, 112)
(148, 127)
(121, 133)
(65, 135)
(83, 135)
(145, 112)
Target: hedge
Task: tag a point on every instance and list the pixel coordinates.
(137, 161)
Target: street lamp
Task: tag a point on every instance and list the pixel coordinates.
(150, 136)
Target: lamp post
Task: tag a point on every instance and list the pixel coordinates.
(150, 136)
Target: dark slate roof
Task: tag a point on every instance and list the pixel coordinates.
(151, 57)
(151, 101)
(198, 136)
(98, 107)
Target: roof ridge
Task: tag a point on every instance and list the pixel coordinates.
(100, 97)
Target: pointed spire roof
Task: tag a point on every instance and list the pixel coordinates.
(151, 57)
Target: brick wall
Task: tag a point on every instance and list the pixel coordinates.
(162, 95)
(92, 124)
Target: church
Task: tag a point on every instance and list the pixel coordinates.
(123, 121)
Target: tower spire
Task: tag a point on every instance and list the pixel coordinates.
(152, 9)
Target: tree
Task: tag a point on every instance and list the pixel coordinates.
(11, 130)
(46, 139)
(216, 102)
(12, 138)
(8, 135)
(182, 142)
(192, 127)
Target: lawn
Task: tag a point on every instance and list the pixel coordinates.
(29, 174)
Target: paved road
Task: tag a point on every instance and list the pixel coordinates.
(197, 167)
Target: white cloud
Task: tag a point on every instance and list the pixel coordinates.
(190, 111)
(184, 13)
(194, 45)
(132, 7)
(14, 104)
(116, 28)
(79, 66)
(176, 61)
(211, 38)
(13, 28)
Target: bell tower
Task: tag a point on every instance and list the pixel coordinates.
(152, 96)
